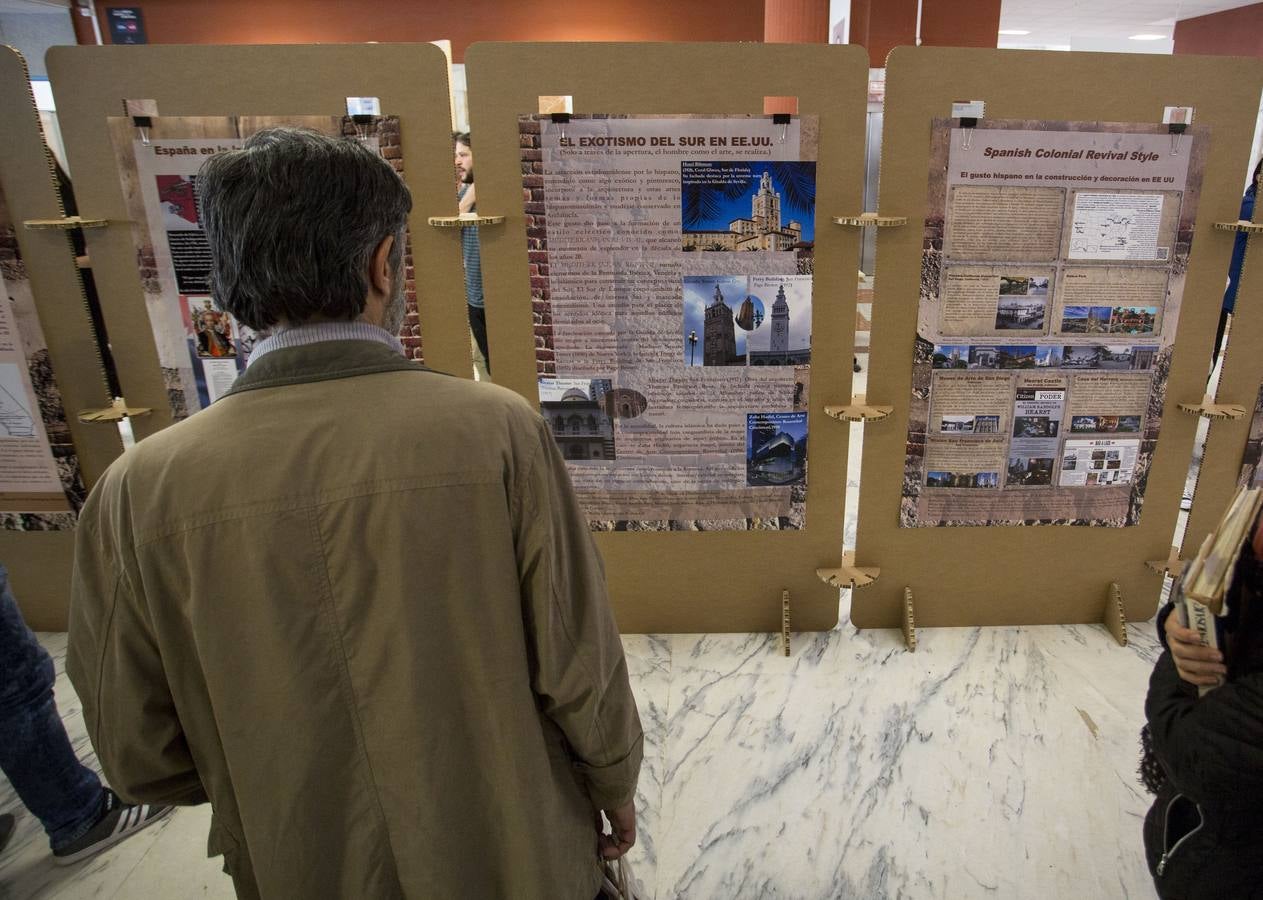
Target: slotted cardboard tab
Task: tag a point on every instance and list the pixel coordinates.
(1209, 409)
(859, 410)
(1115, 616)
(115, 412)
(848, 574)
(784, 638)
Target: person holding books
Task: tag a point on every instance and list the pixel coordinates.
(1204, 742)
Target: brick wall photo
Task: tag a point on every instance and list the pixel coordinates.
(537, 242)
(386, 130)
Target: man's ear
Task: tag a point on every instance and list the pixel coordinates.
(379, 271)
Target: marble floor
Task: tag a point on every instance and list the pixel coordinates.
(994, 762)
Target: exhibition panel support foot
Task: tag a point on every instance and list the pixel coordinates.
(1115, 617)
(909, 624)
(784, 637)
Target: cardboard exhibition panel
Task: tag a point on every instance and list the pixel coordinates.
(1045, 573)
(45, 302)
(1232, 454)
(689, 578)
(91, 85)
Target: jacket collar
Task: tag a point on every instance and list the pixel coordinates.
(322, 361)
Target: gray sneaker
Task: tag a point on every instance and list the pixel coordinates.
(118, 822)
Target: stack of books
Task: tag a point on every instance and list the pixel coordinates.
(1200, 596)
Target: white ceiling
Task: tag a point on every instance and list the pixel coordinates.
(1101, 24)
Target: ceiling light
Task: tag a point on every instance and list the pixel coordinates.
(1013, 31)
(1148, 37)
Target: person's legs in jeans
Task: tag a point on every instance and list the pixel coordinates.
(478, 325)
(35, 752)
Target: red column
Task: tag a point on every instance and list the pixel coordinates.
(82, 25)
(960, 23)
(1233, 32)
(796, 21)
(882, 25)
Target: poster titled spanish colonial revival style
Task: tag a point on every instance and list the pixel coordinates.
(1052, 276)
(201, 349)
(671, 261)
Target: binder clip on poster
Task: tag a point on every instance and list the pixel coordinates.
(362, 111)
(1177, 119)
(782, 110)
(968, 112)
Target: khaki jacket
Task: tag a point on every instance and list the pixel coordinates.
(355, 606)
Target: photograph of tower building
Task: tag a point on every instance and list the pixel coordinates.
(776, 448)
(578, 415)
(740, 320)
(730, 207)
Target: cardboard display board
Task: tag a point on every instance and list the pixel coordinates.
(1029, 574)
(410, 81)
(1231, 442)
(689, 581)
(38, 552)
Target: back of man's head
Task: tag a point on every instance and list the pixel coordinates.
(293, 219)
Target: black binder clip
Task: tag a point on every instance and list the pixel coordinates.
(782, 119)
(562, 119)
(967, 126)
(142, 124)
(362, 122)
(1176, 130)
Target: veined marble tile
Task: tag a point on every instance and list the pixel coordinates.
(649, 669)
(991, 762)
(968, 768)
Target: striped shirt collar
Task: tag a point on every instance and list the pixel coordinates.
(318, 332)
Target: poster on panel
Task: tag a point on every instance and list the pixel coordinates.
(671, 280)
(1053, 272)
(41, 488)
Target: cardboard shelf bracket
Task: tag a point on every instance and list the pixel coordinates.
(909, 621)
(865, 220)
(859, 410)
(784, 636)
(1172, 565)
(848, 574)
(465, 220)
(1240, 225)
(1209, 409)
(65, 223)
(1115, 618)
(115, 412)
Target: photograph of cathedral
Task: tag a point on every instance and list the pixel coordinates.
(730, 206)
(718, 309)
(578, 414)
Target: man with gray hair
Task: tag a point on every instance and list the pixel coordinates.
(353, 603)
